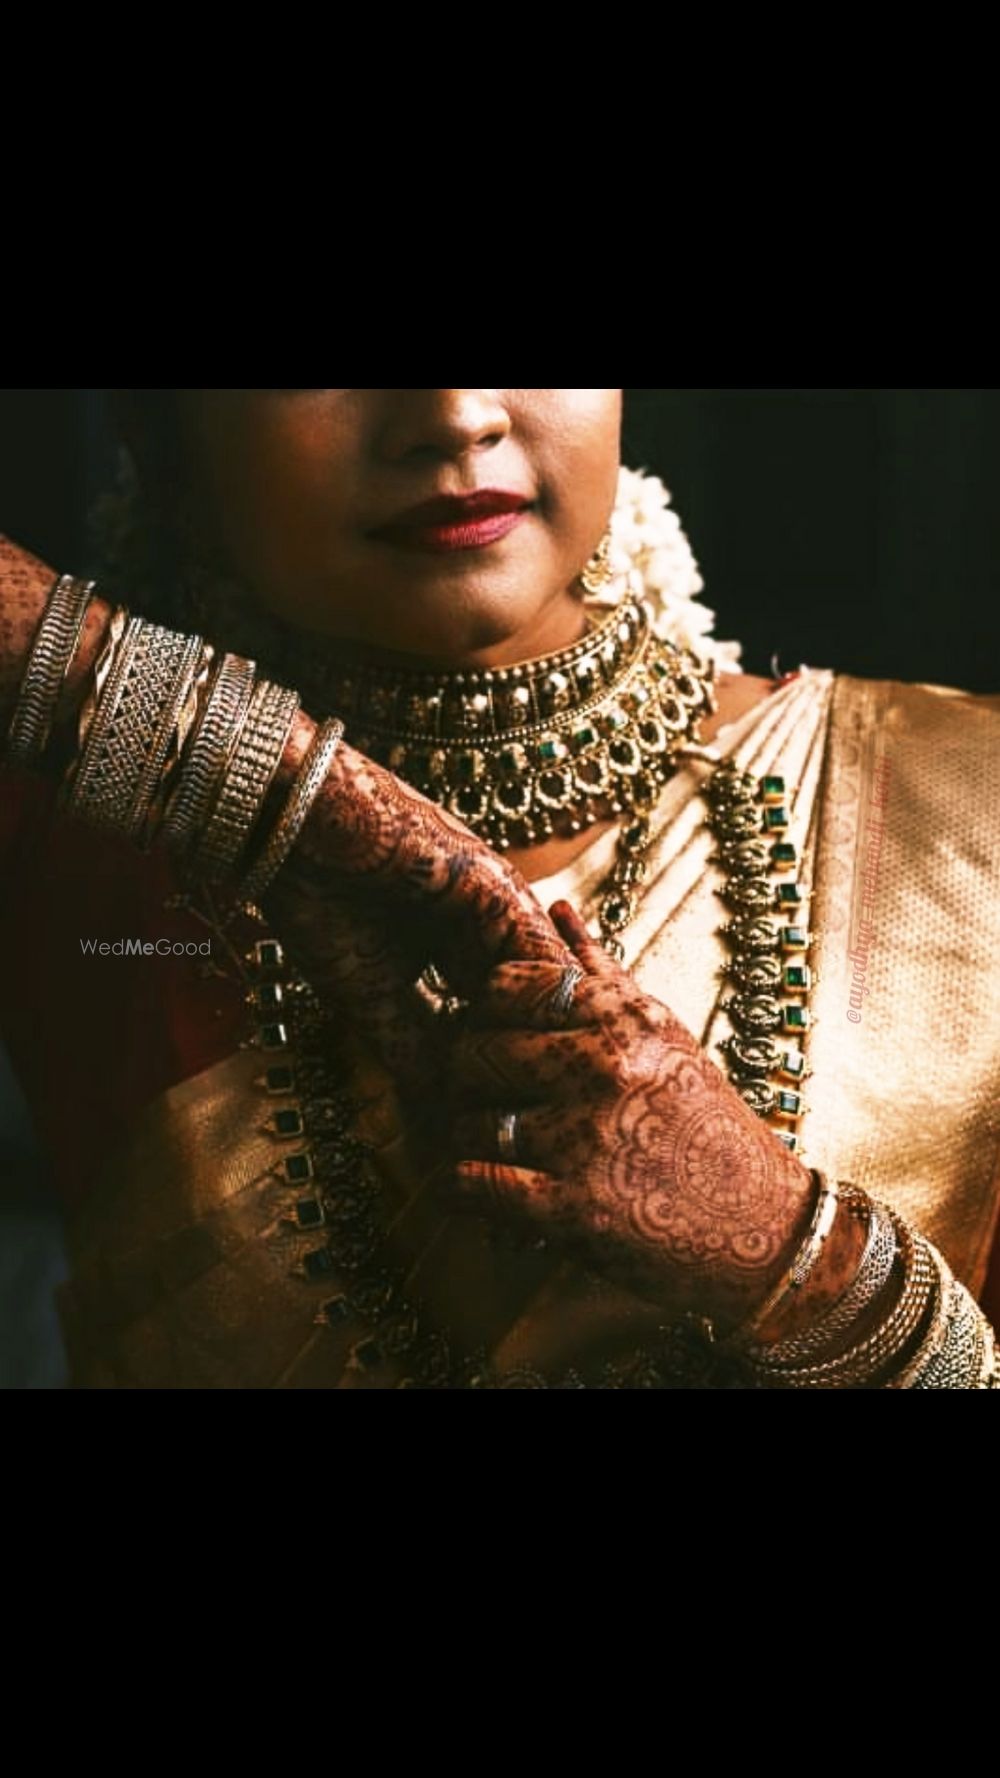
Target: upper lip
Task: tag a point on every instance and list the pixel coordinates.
(454, 509)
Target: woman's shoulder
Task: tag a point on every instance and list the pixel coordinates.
(922, 710)
(923, 688)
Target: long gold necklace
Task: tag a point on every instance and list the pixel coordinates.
(767, 934)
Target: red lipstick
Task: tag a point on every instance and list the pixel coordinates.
(458, 521)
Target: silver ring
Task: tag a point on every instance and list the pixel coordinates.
(507, 1135)
(561, 1001)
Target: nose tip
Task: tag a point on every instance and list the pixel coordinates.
(450, 420)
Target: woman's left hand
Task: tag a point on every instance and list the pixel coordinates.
(632, 1149)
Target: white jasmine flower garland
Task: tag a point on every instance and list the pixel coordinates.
(651, 557)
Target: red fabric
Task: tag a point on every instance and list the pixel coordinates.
(93, 1038)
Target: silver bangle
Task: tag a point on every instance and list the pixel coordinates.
(186, 656)
(870, 1278)
(962, 1353)
(210, 750)
(823, 1217)
(251, 768)
(98, 716)
(133, 721)
(48, 663)
(309, 780)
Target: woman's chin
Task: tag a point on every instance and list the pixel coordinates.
(464, 629)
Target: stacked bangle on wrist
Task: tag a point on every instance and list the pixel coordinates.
(48, 664)
(136, 709)
(872, 1361)
(209, 749)
(870, 1279)
(958, 1348)
(932, 1335)
(170, 744)
(250, 770)
(791, 1281)
(301, 797)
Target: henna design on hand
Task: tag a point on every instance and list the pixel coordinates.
(635, 1148)
(25, 584)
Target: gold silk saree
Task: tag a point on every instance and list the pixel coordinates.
(187, 1266)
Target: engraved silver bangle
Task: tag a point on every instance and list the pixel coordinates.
(209, 751)
(100, 675)
(189, 713)
(186, 656)
(963, 1357)
(871, 1357)
(48, 663)
(248, 777)
(308, 782)
(89, 773)
(133, 720)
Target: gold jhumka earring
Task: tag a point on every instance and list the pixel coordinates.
(598, 571)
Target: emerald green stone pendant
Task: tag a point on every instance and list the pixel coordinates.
(287, 1123)
(794, 1019)
(783, 855)
(767, 959)
(796, 978)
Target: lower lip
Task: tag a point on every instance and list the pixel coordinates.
(473, 534)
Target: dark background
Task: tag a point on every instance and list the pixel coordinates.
(849, 528)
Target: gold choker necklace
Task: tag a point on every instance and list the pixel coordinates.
(551, 744)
